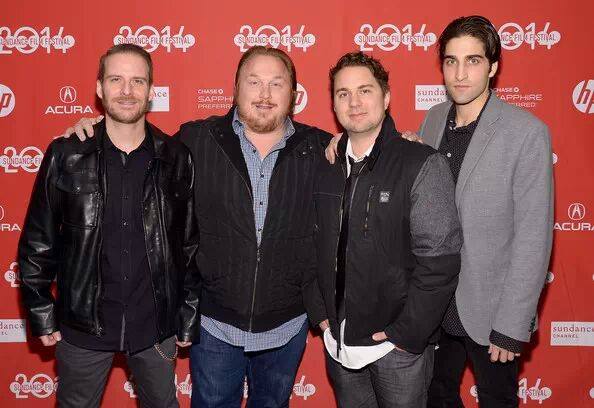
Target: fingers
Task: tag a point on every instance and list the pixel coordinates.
(379, 336)
(67, 133)
(412, 137)
(183, 343)
(494, 351)
(329, 155)
(51, 339)
(501, 355)
(324, 325)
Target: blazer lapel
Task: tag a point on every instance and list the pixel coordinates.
(480, 139)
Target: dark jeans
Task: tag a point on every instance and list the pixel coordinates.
(83, 374)
(397, 380)
(218, 370)
(497, 383)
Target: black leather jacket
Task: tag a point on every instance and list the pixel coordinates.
(62, 237)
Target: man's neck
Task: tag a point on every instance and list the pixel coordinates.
(468, 113)
(125, 136)
(361, 142)
(264, 142)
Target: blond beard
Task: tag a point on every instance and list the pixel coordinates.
(259, 124)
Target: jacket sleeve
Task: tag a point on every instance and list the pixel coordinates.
(532, 188)
(38, 249)
(189, 313)
(436, 239)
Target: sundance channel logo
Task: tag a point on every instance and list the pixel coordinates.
(572, 334)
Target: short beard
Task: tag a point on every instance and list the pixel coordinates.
(124, 119)
(261, 125)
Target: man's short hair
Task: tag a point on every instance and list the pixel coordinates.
(126, 49)
(478, 27)
(360, 59)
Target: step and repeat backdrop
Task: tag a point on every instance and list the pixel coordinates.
(49, 53)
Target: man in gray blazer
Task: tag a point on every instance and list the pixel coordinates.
(500, 157)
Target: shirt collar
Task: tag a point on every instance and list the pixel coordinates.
(349, 152)
(471, 126)
(145, 145)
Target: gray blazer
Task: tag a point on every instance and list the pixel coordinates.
(504, 198)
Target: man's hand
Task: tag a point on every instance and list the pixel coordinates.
(324, 325)
(51, 339)
(412, 137)
(182, 343)
(83, 125)
(500, 354)
(332, 149)
(381, 336)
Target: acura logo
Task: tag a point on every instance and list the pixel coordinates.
(576, 211)
(67, 94)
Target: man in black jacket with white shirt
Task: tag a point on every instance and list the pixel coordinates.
(388, 241)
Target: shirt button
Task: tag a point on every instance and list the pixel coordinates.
(125, 251)
(261, 203)
(449, 154)
(125, 277)
(253, 150)
(262, 175)
(125, 223)
(259, 229)
(125, 197)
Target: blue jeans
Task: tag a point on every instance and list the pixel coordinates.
(218, 370)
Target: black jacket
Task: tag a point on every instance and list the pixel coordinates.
(255, 288)
(402, 256)
(62, 237)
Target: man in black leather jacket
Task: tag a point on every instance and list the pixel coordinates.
(111, 218)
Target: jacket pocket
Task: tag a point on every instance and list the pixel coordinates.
(79, 199)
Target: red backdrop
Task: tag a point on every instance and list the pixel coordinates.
(48, 60)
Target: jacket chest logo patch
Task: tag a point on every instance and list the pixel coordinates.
(384, 197)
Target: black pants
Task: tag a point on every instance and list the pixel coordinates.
(497, 383)
(83, 374)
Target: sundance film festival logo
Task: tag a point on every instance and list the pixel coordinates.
(515, 96)
(388, 37)
(427, 96)
(68, 95)
(576, 213)
(39, 386)
(583, 96)
(7, 100)
(28, 159)
(183, 387)
(151, 38)
(572, 334)
(7, 226)
(269, 35)
(160, 102)
(303, 390)
(525, 393)
(12, 275)
(513, 36)
(27, 40)
(12, 331)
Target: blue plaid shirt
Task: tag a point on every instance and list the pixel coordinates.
(260, 172)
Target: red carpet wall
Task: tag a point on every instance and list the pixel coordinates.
(48, 61)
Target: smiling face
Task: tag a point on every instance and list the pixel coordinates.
(466, 71)
(359, 102)
(263, 93)
(124, 89)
